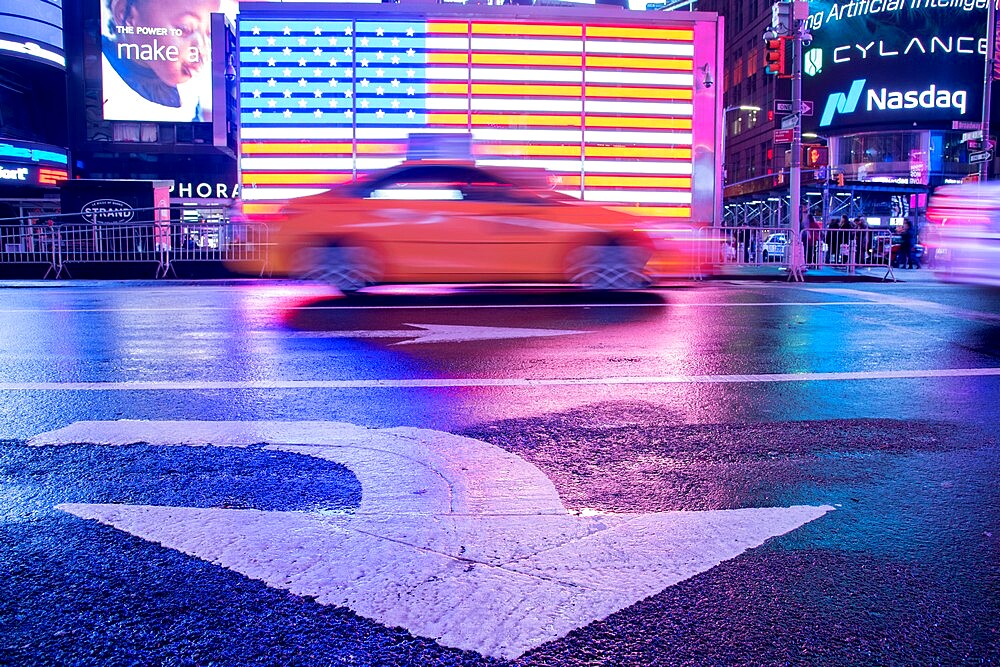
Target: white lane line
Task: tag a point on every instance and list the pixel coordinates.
(407, 383)
(455, 539)
(271, 307)
(906, 302)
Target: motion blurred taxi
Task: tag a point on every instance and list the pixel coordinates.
(447, 221)
(965, 238)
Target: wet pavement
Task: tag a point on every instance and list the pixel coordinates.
(725, 473)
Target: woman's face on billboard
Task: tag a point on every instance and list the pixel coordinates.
(172, 34)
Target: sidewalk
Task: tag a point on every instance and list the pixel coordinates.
(824, 274)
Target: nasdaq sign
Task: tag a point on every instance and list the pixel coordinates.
(922, 63)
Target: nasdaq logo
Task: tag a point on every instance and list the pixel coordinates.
(929, 98)
(842, 102)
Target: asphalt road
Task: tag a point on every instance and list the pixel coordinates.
(704, 474)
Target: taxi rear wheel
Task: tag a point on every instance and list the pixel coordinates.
(346, 267)
(607, 267)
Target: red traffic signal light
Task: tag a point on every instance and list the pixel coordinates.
(778, 57)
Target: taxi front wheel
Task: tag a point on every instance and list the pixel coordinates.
(607, 267)
(346, 267)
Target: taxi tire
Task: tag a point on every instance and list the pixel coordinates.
(610, 266)
(349, 268)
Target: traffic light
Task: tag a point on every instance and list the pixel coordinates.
(778, 59)
(815, 156)
(840, 180)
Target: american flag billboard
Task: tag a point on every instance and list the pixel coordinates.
(605, 106)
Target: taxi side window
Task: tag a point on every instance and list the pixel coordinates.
(439, 183)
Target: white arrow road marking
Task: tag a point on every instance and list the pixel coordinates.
(455, 539)
(438, 333)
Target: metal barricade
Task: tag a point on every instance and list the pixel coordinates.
(94, 243)
(847, 249)
(242, 245)
(25, 244)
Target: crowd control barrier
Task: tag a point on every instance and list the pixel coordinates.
(57, 244)
(846, 249)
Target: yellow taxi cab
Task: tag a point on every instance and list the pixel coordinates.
(437, 221)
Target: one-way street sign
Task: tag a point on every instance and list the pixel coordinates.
(982, 156)
(786, 106)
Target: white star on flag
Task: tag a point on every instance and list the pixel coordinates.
(317, 93)
(272, 103)
(333, 104)
(410, 52)
(364, 41)
(410, 114)
(395, 60)
(317, 72)
(364, 83)
(256, 71)
(395, 104)
(287, 30)
(333, 82)
(317, 31)
(348, 113)
(333, 62)
(347, 31)
(287, 93)
(410, 91)
(256, 113)
(287, 113)
(364, 104)
(379, 56)
(272, 82)
(364, 62)
(302, 62)
(287, 51)
(287, 72)
(317, 52)
(380, 72)
(333, 41)
(395, 41)
(271, 62)
(255, 30)
(348, 94)
(256, 92)
(271, 41)
(379, 32)
(395, 83)
(302, 104)
(379, 90)
(255, 50)
(302, 82)
(318, 113)
(379, 113)
(302, 41)
(409, 32)
(348, 51)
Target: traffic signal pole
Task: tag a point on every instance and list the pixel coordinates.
(796, 259)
